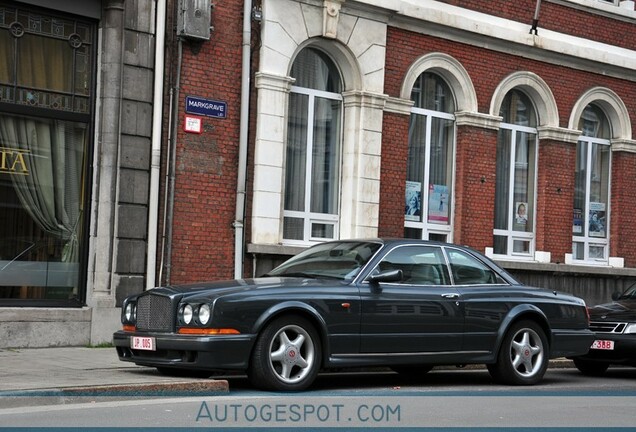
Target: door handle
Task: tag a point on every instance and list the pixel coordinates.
(450, 295)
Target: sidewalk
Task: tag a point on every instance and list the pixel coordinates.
(80, 370)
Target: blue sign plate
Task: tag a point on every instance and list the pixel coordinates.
(206, 107)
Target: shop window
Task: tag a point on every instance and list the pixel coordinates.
(313, 158)
(590, 225)
(516, 178)
(429, 187)
(46, 79)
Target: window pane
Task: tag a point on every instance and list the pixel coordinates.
(502, 186)
(41, 207)
(580, 186)
(296, 162)
(500, 246)
(313, 69)
(440, 171)
(322, 231)
(431, 92)
(413, 233)
(524, 182)
(468, 271)
(293, 228)
(325, 172)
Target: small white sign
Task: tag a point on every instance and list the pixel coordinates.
(192, 124)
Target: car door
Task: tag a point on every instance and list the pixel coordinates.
(417, 312)
(486, 298)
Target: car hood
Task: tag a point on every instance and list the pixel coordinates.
(623, 310)
(252, 286)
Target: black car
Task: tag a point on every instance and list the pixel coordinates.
(405, 304)
(615, 327)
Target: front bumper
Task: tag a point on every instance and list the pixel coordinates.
(624, 352)
(219, 352)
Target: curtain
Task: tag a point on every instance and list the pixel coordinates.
(51, 192)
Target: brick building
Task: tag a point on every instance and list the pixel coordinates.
(505, 126)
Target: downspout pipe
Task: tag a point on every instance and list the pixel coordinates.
(535, 20)
(155, 155)
(239, 219)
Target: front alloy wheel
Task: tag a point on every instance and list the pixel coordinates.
(286, 355)
(523, 357)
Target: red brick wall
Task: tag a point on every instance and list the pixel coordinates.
(475, 186)
(555, 197)
(588, 24)
(395, 143)
(623, 209)
(476, 148)
(206, 166)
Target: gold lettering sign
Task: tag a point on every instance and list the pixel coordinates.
(12, 161)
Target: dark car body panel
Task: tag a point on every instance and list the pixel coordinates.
(609, 322)
(361, 322)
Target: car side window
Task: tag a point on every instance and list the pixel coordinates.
(468, 270)
(420, 265)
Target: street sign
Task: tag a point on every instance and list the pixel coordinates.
(206, 107)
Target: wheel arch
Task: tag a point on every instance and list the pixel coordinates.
(300, 309)
(519, 313)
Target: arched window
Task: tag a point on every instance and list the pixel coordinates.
(313, 157)
(429, 176)
(516, 178)
(591, 188)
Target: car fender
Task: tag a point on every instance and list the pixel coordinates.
(299, 308)
(519, 312)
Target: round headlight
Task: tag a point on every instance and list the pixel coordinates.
(129, 312)
(187, 314)
(204, 314)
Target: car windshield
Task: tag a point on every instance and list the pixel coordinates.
(630, 293)
(332, 260)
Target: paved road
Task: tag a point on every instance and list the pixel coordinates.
(442, 398)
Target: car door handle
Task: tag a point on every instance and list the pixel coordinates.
(450, 295)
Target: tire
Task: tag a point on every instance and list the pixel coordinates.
(590, 368)
(184, 373)
(523, 356)
(286, 356)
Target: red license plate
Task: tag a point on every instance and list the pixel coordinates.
(603, 345)
(142, 343)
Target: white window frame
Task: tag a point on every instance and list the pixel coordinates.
(426, 227)
(510, 234)
(586, 239)
(310, 218)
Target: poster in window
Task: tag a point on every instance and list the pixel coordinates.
(521, 214)
(413, 201)
(577, 221)
(597, 220)
(438, 203)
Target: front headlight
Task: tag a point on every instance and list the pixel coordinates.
(630, 329)
(204, 314)
(187, 314)
(130, 313)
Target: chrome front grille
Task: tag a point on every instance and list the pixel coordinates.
(607, 327)
(154, 313)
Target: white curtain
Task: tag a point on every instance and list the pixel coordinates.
(51, 190)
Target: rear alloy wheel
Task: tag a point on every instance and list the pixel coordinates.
(591, 368)
(523, 357)
(286, 355)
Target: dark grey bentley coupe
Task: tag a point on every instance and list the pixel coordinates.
(405, 304)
